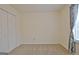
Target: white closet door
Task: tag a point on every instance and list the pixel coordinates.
(11, 32)
(14, 30)
(4, 39)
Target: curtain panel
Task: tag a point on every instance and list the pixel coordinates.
(73, 18)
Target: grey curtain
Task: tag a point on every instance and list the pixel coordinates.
(73, 17)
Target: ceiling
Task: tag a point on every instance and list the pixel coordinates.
(38, 7)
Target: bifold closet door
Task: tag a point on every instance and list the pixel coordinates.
(3, 32)
(7, 31)
(11, 31)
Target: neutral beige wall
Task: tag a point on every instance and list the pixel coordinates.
(13, 11)
(8, 8)
(18, 21)
(65, 26)
(40, 28)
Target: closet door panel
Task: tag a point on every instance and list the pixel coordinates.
(11, 32)
(4, 37)
(14, 30)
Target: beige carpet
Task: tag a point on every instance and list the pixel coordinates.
(39, 49)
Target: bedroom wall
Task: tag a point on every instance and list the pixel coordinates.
(65, 26)
(40, 28)
(13, 11)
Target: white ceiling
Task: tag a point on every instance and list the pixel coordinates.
(38, 7)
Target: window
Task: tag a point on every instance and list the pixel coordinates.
(76, 27)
